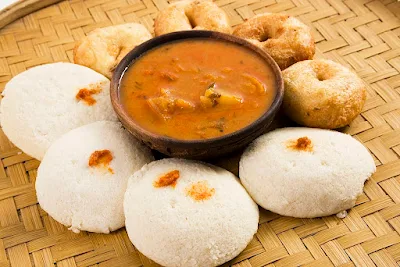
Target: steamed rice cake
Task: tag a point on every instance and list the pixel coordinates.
(187, 213)
(305, 172)
(44, 102)
(83, 176)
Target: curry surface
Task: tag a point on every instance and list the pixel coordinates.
(197, 89)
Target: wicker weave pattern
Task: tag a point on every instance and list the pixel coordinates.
(361, 34)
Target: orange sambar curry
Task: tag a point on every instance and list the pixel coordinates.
(197, 89)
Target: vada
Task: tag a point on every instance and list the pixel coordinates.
(286, 39)
(322, 94)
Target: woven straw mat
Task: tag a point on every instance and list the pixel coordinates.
(362, 35)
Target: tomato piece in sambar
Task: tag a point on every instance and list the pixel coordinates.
(197, 89)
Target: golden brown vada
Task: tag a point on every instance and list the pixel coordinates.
(104, 48)
(191, 15)
(322, 93)
(283, 37)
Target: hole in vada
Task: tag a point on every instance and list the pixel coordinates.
(321, 77)
(191, 21)
(264, 37)
(322, 71)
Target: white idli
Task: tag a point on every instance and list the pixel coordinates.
(40, 104)
(305, 172)
(85, 197)
(203, 218)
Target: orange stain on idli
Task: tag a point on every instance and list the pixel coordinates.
(301, 144)
(86, 94)
(200, 191)
(168, 179)
(101, 158)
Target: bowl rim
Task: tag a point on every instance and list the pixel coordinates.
(141, 49)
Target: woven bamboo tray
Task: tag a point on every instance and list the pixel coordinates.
(362, 34)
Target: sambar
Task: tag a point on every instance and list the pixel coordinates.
(199, 88)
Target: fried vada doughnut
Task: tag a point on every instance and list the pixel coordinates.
(284, 38)
(104, 48)
(322, 93)
(191, 15)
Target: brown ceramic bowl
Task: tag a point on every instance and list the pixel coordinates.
(195, 149)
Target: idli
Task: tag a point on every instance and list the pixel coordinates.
(83, 176)
(305, 172)
(187, 213)
(44, 102)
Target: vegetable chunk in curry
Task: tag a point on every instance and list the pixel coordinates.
(197, 89)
